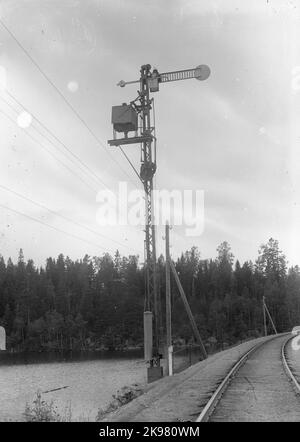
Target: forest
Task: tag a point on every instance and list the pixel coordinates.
(97, 303)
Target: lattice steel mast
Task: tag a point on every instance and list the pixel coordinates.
(125, 119)
(148, 169)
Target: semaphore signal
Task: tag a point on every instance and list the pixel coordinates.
(136, 117)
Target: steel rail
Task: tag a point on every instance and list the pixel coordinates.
(286, 366)
(215, 398)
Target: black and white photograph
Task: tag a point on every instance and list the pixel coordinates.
(149, 214)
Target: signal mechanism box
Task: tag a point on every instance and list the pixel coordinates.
(124, 118)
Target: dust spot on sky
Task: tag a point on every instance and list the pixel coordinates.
(24, 120)
(73, 86)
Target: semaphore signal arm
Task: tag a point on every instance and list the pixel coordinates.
(201, 72)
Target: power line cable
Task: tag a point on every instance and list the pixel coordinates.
(59, 141)
(42, 206)
(52, 227)
(63, 98)
(49, 151)
(95, 176)
(54, 156)
(131, 164)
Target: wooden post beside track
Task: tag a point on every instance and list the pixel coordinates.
(264, 313)
(188, 310)
(168, 304)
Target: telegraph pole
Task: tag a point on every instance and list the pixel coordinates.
(2, 339)
(264, 313)
(269, 316)
(168, 304)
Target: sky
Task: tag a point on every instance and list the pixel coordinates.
(234, 136)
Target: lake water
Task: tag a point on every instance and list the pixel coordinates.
(91, 384)
(91, 379)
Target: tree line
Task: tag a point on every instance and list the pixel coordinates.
(97, 302)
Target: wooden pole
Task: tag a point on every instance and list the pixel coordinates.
(188, 310)
(168, 303)
(270, 317)
(264, 313)
(168, 288)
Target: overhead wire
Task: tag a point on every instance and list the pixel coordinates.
(49, 151)
(131, 164)
(52, 227)
(44, 207)
(48, 79)
(78, 176)
(73, 110)
(41, 145)
(61, 142)
(85, 166)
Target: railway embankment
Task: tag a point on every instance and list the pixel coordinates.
(182, 397)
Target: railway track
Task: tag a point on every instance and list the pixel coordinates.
(259, 387)
(286, 366)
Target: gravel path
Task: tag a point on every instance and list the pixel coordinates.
(261, 390)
